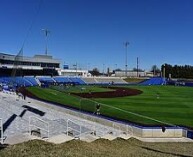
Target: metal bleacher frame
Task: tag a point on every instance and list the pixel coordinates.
(38, 127)
(1, 131)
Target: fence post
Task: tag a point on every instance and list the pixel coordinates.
(67, 127)
(1, 127)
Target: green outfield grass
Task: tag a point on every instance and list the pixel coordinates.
(167, 104)
(80, 89)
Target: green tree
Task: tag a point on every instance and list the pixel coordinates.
(155, 70)
(95, 72)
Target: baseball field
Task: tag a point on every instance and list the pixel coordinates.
(144, 105)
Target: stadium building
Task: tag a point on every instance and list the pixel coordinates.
(133, 74)
(38, 65)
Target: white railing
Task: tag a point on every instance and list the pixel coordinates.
(73, 128)
(94, 129)
(130, 130)
(41, 125)
(120, 129)
(1, 131)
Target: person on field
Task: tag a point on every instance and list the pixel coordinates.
(98, 109)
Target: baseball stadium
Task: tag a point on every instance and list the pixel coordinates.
(55, 108)
(98, 106)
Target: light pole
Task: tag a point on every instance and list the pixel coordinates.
(75, 67)
(126, 45)
(115, 66)
(103, 69)
(137, 67)
(164, 72)
(46, 32)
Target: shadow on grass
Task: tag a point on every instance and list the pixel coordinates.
(3, 146)
(168, 153)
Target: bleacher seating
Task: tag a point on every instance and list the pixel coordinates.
(66, 80)
(45, 79)
(4, 80)
(20, 81)
(154, 81)
(89, 80)
(77, 80)
(16, 81)
(103, 80)
(32, 80)
(61, 79)
(107, 80)
(35, 81)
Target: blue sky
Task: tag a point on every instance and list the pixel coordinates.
(92, 32)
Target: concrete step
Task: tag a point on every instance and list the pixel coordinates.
(20, 138)
(125, 136)
(109, 137)
(180, 139)
(89, 138)
(59, 139)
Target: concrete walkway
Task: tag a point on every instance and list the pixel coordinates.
(182, 139)
(60, 139)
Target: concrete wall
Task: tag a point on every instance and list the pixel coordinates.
(174, 132)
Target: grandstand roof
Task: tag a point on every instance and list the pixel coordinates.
(36, 58)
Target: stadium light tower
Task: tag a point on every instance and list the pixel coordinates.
(46, 32)
(164, 72)
(126, 45)
(103, 69)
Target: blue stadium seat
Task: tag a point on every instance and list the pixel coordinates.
(20, 81)
(32, 80)
(77, 80)
(154, 81)
(46, 79)
(60, 79)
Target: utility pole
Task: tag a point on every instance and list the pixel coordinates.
(164, 72)
(126, 66)
(46, 32)
(75, 68)
(103, 69)
(137, 67)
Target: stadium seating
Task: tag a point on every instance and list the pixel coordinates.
(89, 80)
(103, 80)
(107, 80)
(77, 80)
(5, 80)
(31, 80)
(46, 79)
(61, 79)
(16, 81)
(18, 117)
(65, 80)
(154, 81)
(20, 81)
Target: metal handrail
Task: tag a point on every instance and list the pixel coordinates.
(38, 127)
